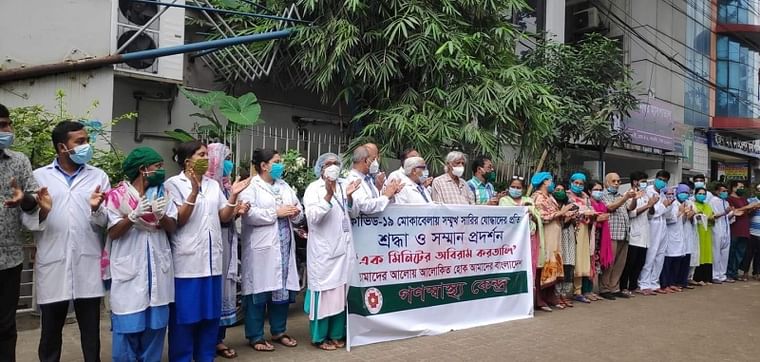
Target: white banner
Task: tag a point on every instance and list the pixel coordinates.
(426, 270)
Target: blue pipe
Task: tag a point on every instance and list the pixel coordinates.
(204, 45)
(221, 11)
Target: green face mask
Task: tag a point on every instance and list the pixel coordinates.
(741, 192)
(200, 167)
(156, 177)
(490, 176)
(560, 195)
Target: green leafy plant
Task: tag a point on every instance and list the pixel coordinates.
(34, 124)
(297, 173)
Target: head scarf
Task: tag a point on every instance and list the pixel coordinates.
(321, 162)
(682, 188)
(578, 176)
(139, 157)
(217, 153)
(539, 178)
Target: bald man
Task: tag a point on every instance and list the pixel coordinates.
(377, 176)
(619, 228)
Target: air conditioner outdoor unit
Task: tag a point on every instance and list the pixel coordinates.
(167, 31)
(586, 19)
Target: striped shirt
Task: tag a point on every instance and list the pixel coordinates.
(483, 191)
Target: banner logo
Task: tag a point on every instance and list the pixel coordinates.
(373, 300)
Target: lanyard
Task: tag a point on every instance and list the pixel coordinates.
(342, 201)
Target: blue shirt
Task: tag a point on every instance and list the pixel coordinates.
(69, 178)
(754, 221)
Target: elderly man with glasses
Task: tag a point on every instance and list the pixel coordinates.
(450, 188)
(620, 226)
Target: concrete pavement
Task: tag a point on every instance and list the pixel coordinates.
(712, 323)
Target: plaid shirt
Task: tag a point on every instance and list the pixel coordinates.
(483, 191)
(619, 222)
(446, 191)
(13, 164)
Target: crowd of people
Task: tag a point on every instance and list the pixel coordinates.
(170, 259)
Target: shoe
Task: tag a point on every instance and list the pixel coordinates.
(716, 281)
(621, 295)
(607, 296)
(730, 281)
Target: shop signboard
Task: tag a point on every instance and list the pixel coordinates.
(652, 125)
(734, 145)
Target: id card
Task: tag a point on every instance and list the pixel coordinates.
(346, 225)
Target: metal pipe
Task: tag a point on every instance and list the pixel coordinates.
(222, 11)
(142, 28)
(98, 62)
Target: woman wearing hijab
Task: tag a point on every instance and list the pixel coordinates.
(220, 167)
(550, 215)
(197, 253)
(270, 279)
(705, 221)
(142, 274)
(567, 245)
(329, 208)
(604, 256)
(584, 238)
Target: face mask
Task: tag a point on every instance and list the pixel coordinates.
(560, 195)
(491, 176)
(741, 192)
(643, 185)
(551, 187)
(723, 195)
(683, 196)
(515, 193)
(425, 175)
(227, 168)
(458, 171)
(200, 166)
(374, 167)
(699, 184)
(277, 170)
(596, 194)
(576, 189)
(332, 172)
(6, 140)
(81, 154)
(670, 197)
(660, 184)
(612, 190)
(156, 177)
(700, 198)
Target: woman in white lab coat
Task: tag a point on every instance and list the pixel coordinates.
(142, 274)
(329, 209)
(413, 190)
(270, 280)
(197, 254)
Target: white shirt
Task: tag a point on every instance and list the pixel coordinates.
(131, 255)
(70, 240)
(412, 193)
(367, 198)
(675, 236)
(722, 224)
(329, 249)
(197, 245)
(639, 235)
(260, 239)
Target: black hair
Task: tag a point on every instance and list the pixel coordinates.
(403, 155)
(522, 182)
(186, 150)
(663, 173)
(4, 113)
(719, 185)
(594, 183)
(700, 176)
(61, 131)
(638, 176)
(262, 155)
(479, 162)
(696, 191)
(735, 183)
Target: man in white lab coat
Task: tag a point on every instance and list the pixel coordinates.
(69, 245)
(367, 198)
(649, 280)
(723, 212)
(412, 190)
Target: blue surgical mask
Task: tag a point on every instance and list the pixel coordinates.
(515, 193)
(723, 195)
(424, 176)
(643, 185)
(551, 187)
(699, 185)
(227, 168)
(6, 140)
(700, 198)
(682, 196)
(660, 184)
(277, 171)
(576, 189)
(596, 194)
(612, 190)
(81, 154)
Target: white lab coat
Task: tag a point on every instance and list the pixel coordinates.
(639, 235)
(197, 245)
(69, 241)
(260, 239)
(411, 193)
(658, 228)
(131, 290)
(397, 174)
(367, 198)
(676, 233)
(691, 238)
(329, 250)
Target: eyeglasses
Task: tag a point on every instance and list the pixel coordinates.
(518, 178)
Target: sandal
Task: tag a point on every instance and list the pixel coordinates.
(325, 346)
(545, 308)
(268, 347)
(582, 299)
(226, 352)
(338, 344)
(291, 341)
(559, 306)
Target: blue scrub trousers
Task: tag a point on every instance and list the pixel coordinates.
(146, 346)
